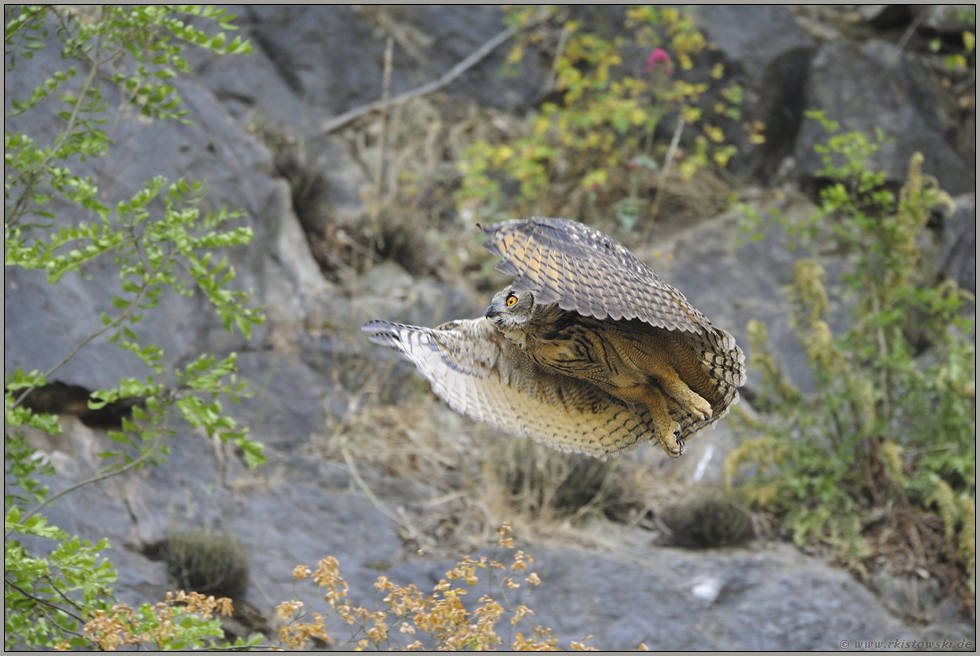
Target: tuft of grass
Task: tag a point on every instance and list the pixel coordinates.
(708, 520)
(208, 563)
(539, 482)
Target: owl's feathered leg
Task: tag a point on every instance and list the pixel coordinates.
(666, 428)
(678, 390)
(668, 362)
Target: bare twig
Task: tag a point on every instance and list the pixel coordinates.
(667, 162)
(400, 520)
(559, 51)
(964, 85)
(101, 331)
(923, 15)
(45, 602)
(379, 166)
(382, 138)
(152, 451)
(74, 604)
(886, 377)
(339, 121)
(37, 170)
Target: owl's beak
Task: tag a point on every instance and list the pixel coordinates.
(491, 312)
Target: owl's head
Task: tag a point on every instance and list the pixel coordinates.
(510, 310)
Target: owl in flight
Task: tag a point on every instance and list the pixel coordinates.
(587, 350)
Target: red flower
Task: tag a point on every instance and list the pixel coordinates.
(659, 57)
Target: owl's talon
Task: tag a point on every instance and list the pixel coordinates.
(703, 408)
(670, 443)
(693, 403)
(672, 446)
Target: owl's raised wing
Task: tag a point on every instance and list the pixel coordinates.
(478, 372)
(585, 271)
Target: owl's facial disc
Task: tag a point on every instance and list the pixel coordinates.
(510, 310)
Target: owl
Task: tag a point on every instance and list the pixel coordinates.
(587, 350)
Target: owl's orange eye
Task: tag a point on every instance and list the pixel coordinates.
(511, 300)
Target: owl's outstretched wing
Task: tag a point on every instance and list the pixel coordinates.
(585, 271)
(479, 373)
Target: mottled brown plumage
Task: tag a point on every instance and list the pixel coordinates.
(587, 350)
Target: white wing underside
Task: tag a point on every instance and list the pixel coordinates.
(478, 372)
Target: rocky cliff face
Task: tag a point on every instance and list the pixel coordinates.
(258, 138)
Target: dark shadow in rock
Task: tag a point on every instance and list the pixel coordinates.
(58, 398)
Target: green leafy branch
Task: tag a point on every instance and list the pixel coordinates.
(157, 240)
(885, 424)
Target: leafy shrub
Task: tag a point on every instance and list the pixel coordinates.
(180, 623)
(892, 422)
(149, 239)
(600, 134)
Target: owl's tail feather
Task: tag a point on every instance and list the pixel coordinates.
(401, 338)
(384, 333)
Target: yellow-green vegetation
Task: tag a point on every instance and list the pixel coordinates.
(608, 132)
(965, 55)
(887, 438)
(157, 240)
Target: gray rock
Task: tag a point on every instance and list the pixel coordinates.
(770, 598)
(313, 63)
(44, 322)
(886, 16)
(753, 37)
(951, 19)
(316, 62)
(871, 12)
(764, 50)
(959, 257)
(282, 519)
(914, 595)
(878, 86)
